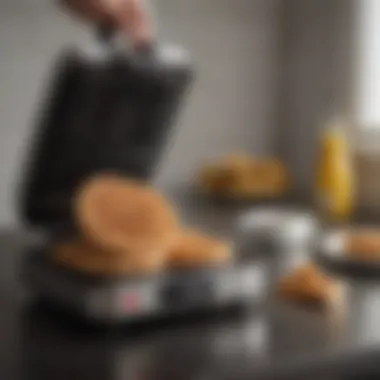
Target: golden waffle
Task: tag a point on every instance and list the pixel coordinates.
(125, 216)
(83, 258)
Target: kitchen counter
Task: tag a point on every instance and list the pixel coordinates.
(278, 341)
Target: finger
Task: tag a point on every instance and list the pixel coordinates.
(142, 22)
(135, 21)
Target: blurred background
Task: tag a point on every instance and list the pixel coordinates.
(269, 73)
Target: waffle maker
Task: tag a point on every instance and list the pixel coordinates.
(110, 109)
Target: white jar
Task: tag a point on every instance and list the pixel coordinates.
(289, 233)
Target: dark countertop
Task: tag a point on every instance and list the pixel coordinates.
(282, 340)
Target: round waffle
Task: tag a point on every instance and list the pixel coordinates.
(194, 249)
(83, 258)
(125, 216)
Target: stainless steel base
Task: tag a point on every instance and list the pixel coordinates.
(127, 299)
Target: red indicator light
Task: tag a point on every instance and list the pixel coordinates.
(131, 302)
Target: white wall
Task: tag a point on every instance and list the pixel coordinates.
(368, 63)
(316, 70)
(367, 103)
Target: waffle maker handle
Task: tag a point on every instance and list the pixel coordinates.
(106, 33)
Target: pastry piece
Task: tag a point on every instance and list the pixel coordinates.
(307, 285)
(363, 245)
(194, 249)
(84, 258)
(272, 174)
(225, 177)
(228, 180)
(239, 167)
(122, 215)
(240, 176)
(257, 177)
(215, 180)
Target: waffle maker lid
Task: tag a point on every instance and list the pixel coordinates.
(108, 109)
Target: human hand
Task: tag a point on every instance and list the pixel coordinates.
(128, 16)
